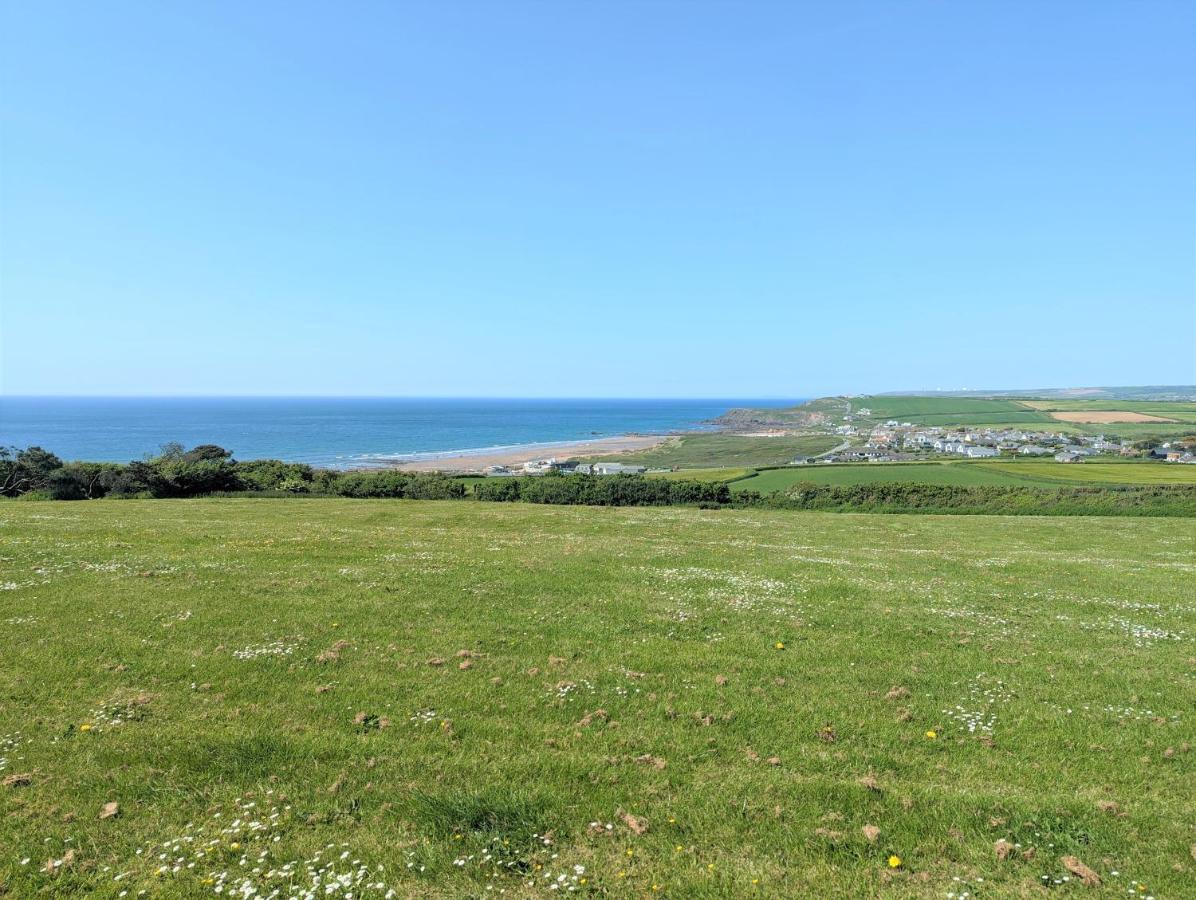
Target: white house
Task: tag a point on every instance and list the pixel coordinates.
(616, 469)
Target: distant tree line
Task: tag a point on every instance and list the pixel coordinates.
(203, 470)
(209, 470)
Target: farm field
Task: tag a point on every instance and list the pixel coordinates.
(455, 699)
(724, 474)
(947, 411)
(770, 480)
(1098, 472)
(729, 450)
(1179, 411)
(1025, 473)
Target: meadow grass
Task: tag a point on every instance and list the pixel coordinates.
(453, 699)
(723, 474)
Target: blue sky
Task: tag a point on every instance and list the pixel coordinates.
(595, 199)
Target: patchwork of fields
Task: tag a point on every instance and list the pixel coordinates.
(448, 699)
(1130, 419)
(1022, 473)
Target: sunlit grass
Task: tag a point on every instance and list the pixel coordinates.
(490, 696)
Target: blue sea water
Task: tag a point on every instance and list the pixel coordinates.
(335, 432)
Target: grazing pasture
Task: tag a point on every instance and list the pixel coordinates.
(729, 450)
(903, 408)
(456, 699)
(724, 474)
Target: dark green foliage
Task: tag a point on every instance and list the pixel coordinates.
(1112, 500)
(604, 490)
(26, 470)
(187, 478)
(274, 475)
(404, 485)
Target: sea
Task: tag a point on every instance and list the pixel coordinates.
(342, 432)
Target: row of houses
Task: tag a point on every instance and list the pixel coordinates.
(552, 464)
(989, 442)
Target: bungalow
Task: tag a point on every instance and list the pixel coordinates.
(1034, 450)
(617, 469)
(1066, 456)
(979, 452)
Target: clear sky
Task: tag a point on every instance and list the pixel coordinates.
(596, 199)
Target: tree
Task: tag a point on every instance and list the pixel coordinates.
(26, 470)
(206, 452)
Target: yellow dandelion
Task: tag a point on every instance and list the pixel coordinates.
(894, 862)
(234, 846)
(780, 645)
(678, 848)
(622, 874)
(86, 726)
(710, 867)
(932, 734)
(755, 881)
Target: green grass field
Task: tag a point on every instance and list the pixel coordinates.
(947, 411)
(877, 473)
(724, 474)
(729, 451)
(454, 699)
(1024, 473)
(1097, 472)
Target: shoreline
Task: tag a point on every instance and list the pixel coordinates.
(466, 461)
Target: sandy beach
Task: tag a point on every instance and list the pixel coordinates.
(517, 456)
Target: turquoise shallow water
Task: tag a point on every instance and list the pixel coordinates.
(335, 431)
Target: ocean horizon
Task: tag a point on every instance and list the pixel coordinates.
(342, 432)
